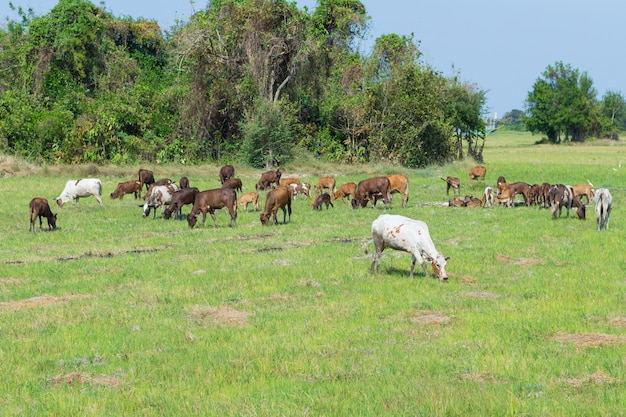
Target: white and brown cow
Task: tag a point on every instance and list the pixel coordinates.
(75, 189)
(158, 196)
(603, 201)
(407, 235)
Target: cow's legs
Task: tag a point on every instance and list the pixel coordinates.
(212, 213)
(99, 199)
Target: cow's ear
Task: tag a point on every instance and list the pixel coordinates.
(446, 257)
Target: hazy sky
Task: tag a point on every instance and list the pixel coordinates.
(502, 46)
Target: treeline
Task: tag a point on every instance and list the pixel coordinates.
(257, 80)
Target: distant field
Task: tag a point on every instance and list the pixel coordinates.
(114, 314)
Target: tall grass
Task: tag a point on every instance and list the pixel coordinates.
(115, 314)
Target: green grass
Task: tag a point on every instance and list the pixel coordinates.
(115, 314)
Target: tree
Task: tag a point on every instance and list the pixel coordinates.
(613, 110)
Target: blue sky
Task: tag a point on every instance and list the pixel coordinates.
(501, 46)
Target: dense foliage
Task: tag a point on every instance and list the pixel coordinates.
(256, 79)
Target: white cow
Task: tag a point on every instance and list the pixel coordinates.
(604, 201)
(488, 196)
(75, 189)
(158, 196)
(408, 235)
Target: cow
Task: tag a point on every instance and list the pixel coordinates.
(472, 202)
(454, 183)
(488, 197)
(407, 235)
(603, 201)
(211, 200)
(279, 198)
(75, 189)
(544, 198)
(234, 183)
(158, 196)
(369, 189)
(183, 183)
(535, 194)
(145, 177)
(226, 172)
(128, 187)
(267, 179)
(477, 172)
(509, 191)
(399, 184)
(457, 202)
(249, 198)
(586, 190)
(38, 208)
(325, 183)
(321, 200)
(286, 182)
(180, 198)
(302, 188)
(345, 190)
(563, 196)
(500, 185)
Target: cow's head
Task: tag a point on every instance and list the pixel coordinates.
(581, 212)
(191, 220)
(52, 221)
(265, 218)
(60, 202)
(439, 267)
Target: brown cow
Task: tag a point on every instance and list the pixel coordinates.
(249, 198)
(509, 191)
(276, 199)
(325, 182)
(286, 182)
(145, 177)
(586, 190)
(211, 200)
(369, 189)
(454, 183)
(544, 197)
(39, 207)
(477, 172)
(234, 183)
(457, 202)
(563, 196)
(472, 202)
(321, 200)
(500, 185)
(183, 183)
(267, 179)
(399, 184)
(345, 190)
(180, 198)
(128, 187)
(226, 172)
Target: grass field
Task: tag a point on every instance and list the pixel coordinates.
(118, 315)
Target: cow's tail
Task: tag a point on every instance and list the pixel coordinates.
(364, 244)
(589, 182)
(99, 188)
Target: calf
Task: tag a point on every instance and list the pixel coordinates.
(249, 198)
(408, 235)
(457, 202)
(211, 200)
(233, 183)
(38, 208)
(268, 179)
(472, 202)
(145, 177)
(180, 198)
(325, 182)
(183, 183)
(75, 189)
(370, 189)
(286, 182)
(454, 183)
(500, 185)
(302, 188)
(488, 197)
(158, 196)
(563, 196)
(399, 184)
(603, 201)
(321, 200)
(345, 190)
(226, 172)
(509, 191)
(477, 172)
(128, 187)
(279, 198)
(586, 190)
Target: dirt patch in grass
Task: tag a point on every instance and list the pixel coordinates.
(220, 316)
(39, 301)
(429, 318)
(481, 294)
(463, 277)
(618, 321)
(585, 340)
(519, 261)
(597, 378)
(478, 377)
(79, 378)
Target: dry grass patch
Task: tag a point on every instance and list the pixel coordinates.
(618, 321)
(478, 377)
(39, 301)
(481, 294)
(519, 261)
(429, 318)
(585, 340)
(79, 379)
(597, 378)
(220, 316)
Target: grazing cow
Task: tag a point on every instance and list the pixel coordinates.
(279, 198)
(544, 191)
(586, 190)
(267, 179)
(370, 189)
(535, 194)
(509, 191)
(325, 182)
(345, 190)
(227, 172)
(399, 184)
(183, 183)
(302, 188)
(179, 199)
(603, 201)
(233, 183)
(75, 189)
(563, 196)
(249, 198)
(286, 182)
(477, 172)
(488, 197)
(500, 185)
(211, 200)
(321, 200)
(158, 196)
(454, 183)
(38, 207)
(128, 187)
(408, 235)
(145, 176)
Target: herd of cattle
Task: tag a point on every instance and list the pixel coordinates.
(388, 231)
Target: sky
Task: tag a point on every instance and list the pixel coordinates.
(502, 47)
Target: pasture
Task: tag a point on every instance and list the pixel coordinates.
(114, 314)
